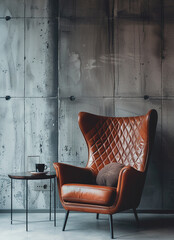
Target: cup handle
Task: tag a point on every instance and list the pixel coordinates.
(45, 167)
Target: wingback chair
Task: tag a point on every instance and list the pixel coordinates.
(126, 140)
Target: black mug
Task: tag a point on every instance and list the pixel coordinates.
(40, 167)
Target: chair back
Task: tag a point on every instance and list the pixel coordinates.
(126, 140)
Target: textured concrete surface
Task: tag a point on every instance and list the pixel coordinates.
(28, 75)
(109, 57)
(85, 226)
(115, 58)
(41, 57)
(12, 58)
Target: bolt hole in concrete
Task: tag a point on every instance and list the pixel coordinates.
(7, 18)
(146, 97)
(72, 98)
(7, 97)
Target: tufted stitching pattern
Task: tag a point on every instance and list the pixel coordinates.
(117, 140)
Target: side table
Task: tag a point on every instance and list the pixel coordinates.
(26, 176)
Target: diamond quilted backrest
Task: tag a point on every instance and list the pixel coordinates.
(111, 139)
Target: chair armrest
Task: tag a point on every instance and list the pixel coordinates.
(71, 174)
(129, 188)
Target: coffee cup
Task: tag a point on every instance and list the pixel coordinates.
(40, 167)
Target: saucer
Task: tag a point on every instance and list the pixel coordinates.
(39, 173)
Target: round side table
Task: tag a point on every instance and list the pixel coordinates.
(26, 176)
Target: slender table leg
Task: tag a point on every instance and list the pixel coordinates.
(27, 205)
(11, 200)
(50, 199)
(55, 202)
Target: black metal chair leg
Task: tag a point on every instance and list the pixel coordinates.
(97, 216)
(65, 221)
(136, 216)
(111, 226)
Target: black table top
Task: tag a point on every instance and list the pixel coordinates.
(30, 176)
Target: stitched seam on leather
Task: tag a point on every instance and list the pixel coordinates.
(97, 134)
(135, 123)
(89, 200)
(107, 140)
(99, 137)
(97, 130)
(83, 205)
(138, 126)
(101, 189)
(109, 146)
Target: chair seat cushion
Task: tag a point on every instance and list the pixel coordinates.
(108, 175)
(88, 194)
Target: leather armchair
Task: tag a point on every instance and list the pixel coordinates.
(126, 140)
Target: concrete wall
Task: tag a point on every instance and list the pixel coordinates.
(115, 57)
(28, 74)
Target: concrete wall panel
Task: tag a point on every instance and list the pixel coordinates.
(168, 9)
(85, 63)
(41, 8)
(150, 58)
(167, 68)
(41, 140)
(139, 71)
(41, 58)
(83, 9)
(28, 126)
(168, 153)
(12, 58)
(144, 9)
(14, 8)
(103, 8)
(72, 146)
(130, 8)
(40, 128)
(153, 186)
(129, 57)
(11, 149)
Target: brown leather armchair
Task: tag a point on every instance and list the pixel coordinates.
(126, 140)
